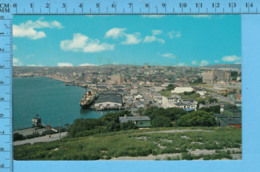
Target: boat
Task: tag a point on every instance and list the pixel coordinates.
(88, 99)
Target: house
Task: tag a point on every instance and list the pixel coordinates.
(235, 122)
(139, 104)
(138, 97)
(139, 121)
(208, 105)
(168, 102)
(134, 111)
(225, 120)
(187, 105)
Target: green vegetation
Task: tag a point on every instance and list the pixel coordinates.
(106, 138)
(170, 87)
(213, 109)
(107, 123)
(197, 118)
(17, 136)
(161, 121)
(159, 118)
(135, 143)
(167, 92)
(171, 113)
(189, 95)
(234, 75)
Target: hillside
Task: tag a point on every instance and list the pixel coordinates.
(153, 144)
(233, 66)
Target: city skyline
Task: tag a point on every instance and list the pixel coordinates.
(164, 40)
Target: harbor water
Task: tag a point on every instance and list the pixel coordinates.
(49, 98)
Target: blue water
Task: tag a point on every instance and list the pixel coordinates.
(49, 98)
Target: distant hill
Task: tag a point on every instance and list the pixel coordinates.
(234, 66)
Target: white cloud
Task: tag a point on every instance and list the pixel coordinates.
(153, 16)
(216, 61)
(115, 33)
(153, 37)
(156, 32)
(30, 55)
(194, 62)
(82, 43)
(17, 62)
(28, 29)
(204, 63)
(167, 55)
(64, 64)
(87, 64)
(132, 38)
(34, 65)
(233, 58)
(174, 34)
(181, 64)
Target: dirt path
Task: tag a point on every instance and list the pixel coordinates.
(175, 131)
(46, 138)
(149, 157)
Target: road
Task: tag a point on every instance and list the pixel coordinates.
(46, 138)
(221, 98)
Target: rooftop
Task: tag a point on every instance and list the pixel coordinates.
(109, 97)
(134, 118)
(231, 121)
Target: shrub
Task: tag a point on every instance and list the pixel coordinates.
(161, 121)
(197, 118)
(113, 126)
(18, 136)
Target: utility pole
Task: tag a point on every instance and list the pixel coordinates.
(59, 130)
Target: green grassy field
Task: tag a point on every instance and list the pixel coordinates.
(223, 142)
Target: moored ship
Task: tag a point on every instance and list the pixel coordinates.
(87, 99)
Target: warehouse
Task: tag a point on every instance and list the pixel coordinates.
(109, 101)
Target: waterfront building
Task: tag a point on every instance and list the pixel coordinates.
(109, 101)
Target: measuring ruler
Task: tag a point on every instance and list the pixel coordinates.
(80, 7)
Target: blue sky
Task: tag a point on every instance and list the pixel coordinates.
(97, 40)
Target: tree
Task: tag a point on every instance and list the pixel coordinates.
(212, 100)
(127, 125)
(80, 125)
(107, 118)
(18, 136)
(171, 113)
(161, 121)
(201, 101)
(197, 118)
(113, 126)
(174, 113)
(170, 87)
(213, 109)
